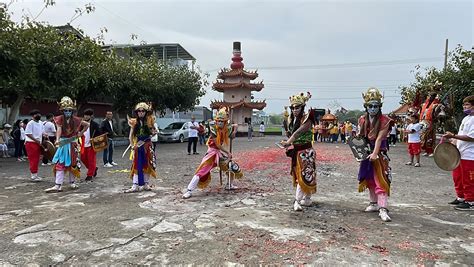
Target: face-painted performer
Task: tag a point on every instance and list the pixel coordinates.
(143, 165)
(217, 154)
(374, 172)
(303, 156)
(69, 128)
(427, 119)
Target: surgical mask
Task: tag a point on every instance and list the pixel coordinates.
(467, 111)
(68, 113)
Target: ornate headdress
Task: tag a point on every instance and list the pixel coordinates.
(222, 115)
(143, 105)
(67, 103)
(300, 99)
(372, 94)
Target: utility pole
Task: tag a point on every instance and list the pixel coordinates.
(446, 55)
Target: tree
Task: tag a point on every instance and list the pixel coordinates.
(456, 81)
(350, 115)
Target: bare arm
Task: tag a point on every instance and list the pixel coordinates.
(85, 126)
(458, 137)
(34, 139)
(58, 134)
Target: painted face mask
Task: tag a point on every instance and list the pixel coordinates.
(373, 108)
(67, 113)
(220, 124)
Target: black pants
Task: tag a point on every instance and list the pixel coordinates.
(393, 139)
(18, 148)
(194, 141)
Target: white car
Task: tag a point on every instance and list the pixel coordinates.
(174, 132)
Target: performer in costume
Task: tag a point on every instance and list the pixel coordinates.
(143, 164)
(69, 128)
(427, 119)
(217, 154)
(303, 156)
(88, 155)
(374, 172)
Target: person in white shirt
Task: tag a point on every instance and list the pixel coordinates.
(463, 175)
(414, 142)
(193, 135)
(49, 131)
(88, 155)
(261, 129)
(23, 138)
(393, 134)
(33, 139)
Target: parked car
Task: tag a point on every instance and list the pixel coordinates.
(174, 132)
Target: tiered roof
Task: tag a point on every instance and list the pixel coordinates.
(253, 105)
(222, 86)
(226, 73)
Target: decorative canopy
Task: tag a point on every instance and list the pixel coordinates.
(329, 117)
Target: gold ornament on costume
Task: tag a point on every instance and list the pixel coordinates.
(67, 103)
(372, 94)
(285, 112)
(222, 115)
(144, 106)
(300, 99)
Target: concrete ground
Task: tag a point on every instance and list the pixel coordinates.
(98, 224)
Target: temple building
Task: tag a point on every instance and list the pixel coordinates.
(237, 87)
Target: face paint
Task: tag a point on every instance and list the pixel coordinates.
(67, 113)
(220, 124)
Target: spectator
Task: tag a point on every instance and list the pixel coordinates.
(16, 134)
(107, 126)
(154, 137)
(202, 133)
(4, 138)
(250, 130)
(193, 135)
(342, 132)
(261, 129)
(23, 138)
(414, 141)
(34, 137)
(393, 135)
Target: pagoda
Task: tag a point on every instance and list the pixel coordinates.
(236, 85)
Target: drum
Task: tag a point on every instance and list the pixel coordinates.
(48, 150)
(100, 142)
(359, 147)
(447, 156)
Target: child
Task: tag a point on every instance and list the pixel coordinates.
(414, 142)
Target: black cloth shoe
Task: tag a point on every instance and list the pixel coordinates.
(465, 206)
(95, 172)
(456, 202)
(88, 178)
(195, 153)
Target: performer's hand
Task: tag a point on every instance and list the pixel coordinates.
(448, 135)
(56, 143)
(79, 134)
(285, 143)
(373, 157)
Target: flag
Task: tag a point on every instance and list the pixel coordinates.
(343, 110)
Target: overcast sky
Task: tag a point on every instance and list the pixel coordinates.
(297, 46)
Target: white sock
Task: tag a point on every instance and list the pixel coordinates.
(299, 194)
(59, 177)
(193, 184)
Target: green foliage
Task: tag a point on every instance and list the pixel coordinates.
(350, 115)
(276, 119)
(40, 62)
(456, 80)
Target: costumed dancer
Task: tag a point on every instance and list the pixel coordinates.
(69, 128)
(303, 155)
(143, 158)
(88, 155)
(217, 154)
(375, 172)
(427, 119)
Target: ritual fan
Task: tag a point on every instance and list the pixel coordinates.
(359, 147)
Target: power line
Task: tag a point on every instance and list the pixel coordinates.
(348, 65)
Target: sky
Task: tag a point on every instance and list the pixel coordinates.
(333, 49)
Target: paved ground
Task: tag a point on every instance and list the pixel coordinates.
(97, 224)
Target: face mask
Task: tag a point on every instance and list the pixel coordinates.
(37, 117)
(373, 111)
(67, 113)
(467, 111)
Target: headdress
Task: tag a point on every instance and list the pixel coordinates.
(372, 94)
(300, 99)
(67, 103)
(222, 115)
(144, 106)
